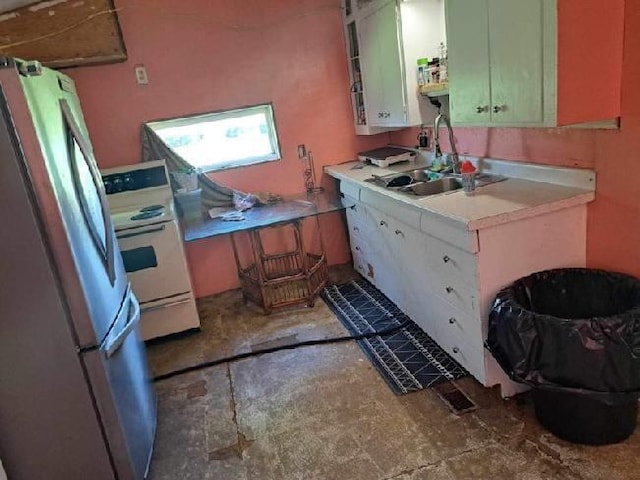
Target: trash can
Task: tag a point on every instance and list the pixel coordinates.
(573, 335)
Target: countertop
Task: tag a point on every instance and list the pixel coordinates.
(490, 205)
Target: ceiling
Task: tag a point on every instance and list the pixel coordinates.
(8, 5)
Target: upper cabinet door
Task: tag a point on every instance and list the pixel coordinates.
(516, 60)
(469, 78)
(394, 111)
(525, 60)
(371, 73)
(382, 68)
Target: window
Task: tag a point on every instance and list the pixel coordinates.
(215, 141)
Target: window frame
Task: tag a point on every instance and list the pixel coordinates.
(272, 130)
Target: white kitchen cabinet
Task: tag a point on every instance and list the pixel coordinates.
(446, 278)
(376, 261)
(381, 66)
(523, 62)
(384, 40)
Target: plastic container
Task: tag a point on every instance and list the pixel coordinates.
(444, 74)
(574, 336)
(190, 204)
(468, 183)
(186, 180)
(423, 65)
(468, 175)
(433, 70)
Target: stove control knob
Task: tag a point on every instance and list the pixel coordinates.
(118, 185)
(128, 182)
(108, 186)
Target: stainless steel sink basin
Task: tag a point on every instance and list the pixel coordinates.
(416, 182)
(401, 179)
(433, 187)
(418, 175)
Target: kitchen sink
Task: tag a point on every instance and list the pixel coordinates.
(416, 182)
(433, 187)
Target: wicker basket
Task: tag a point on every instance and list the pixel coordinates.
(285, 281)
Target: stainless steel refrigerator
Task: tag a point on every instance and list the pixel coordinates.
(76, 400)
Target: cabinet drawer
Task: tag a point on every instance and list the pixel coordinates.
(360, 260)
(458, 333)
(354, 220)
(394, 208)
(451, 261)
(441, 320)
(466, 355)
(350, 189)
(424, 269)
(451, 233)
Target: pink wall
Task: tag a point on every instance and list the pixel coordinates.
(207, 55)
(614, 217)
(582, 46)
(216, 54)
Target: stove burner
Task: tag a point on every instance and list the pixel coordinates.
(152, 208)
(145, 215)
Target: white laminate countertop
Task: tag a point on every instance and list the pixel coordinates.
(491, 205)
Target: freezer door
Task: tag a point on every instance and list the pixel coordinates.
(120, 378)
(91, 269)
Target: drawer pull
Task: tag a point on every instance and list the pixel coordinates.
(399, 232)
(456, 350)
(452, 320)
(446, 259)
(353, 207)
(357, 248)
(356, 229)
(449, 289)
(383, 223)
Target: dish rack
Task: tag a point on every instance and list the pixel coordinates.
(283, 279)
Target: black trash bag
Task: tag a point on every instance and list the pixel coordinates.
(570, 330)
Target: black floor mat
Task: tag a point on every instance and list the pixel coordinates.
(408, 359)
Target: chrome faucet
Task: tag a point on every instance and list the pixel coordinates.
(454, 161)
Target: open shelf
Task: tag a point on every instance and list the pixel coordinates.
(434, 89)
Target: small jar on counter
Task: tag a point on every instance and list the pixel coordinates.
(434, 71)
(423, 74)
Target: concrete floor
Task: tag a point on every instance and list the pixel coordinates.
(323, 412)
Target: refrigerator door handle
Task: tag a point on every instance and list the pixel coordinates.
(113, 344)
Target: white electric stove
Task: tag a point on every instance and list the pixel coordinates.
(143, 216)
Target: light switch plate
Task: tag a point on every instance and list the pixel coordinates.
(302, 151)
(141, 75)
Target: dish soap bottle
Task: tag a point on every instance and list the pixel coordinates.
(444, 73)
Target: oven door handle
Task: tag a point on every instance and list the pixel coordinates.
(166, 305)
(130, 235)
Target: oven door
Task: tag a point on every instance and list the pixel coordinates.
(154, 260)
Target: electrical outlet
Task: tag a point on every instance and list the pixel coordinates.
(302, 151)
(141, 75)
